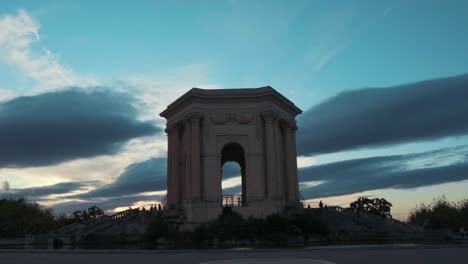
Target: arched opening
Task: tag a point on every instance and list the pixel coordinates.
(233, 174)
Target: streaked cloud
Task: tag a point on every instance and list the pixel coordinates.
(5, 95)
(107, 204)
(18, 36)
(145, 176)
(34, 193)
(395, 172)
(383, 116)
(54, 127)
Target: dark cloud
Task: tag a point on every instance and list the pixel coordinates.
(59, 126)
(145, 176)
(358, 175)
(35, 193)
(105, 204)
(230, 169)
(233, 190)
(379, 116)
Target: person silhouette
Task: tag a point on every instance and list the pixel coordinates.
(320, 204)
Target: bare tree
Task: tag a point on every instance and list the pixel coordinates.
(6, 186)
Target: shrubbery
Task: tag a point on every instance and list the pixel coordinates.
(18, 217)
(441, 213)
(159, 227)
(274, 230)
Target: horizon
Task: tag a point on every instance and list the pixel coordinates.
(382, 85)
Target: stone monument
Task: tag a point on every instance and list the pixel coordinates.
(254, 127)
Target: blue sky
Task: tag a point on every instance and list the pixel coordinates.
(154, 51)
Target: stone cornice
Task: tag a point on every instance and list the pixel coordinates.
(233, 95)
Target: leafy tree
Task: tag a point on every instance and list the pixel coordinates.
(18, 217)
(160, 227)
(309, 224)
(444, 214)
(230, 225)
(93, 212)
(463, 212)
(441, 213)
(375, 206)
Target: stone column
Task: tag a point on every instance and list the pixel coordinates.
(187, 160)
(170, 161)
(195, 138)
(244, 185)
(268, 117)
(280, 177)
(175, 164)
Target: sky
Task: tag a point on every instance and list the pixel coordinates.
(383, 86)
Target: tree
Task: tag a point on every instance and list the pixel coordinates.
(6, 186)
(440, 214)
(93, 212)
(18, 217)
(375, 206)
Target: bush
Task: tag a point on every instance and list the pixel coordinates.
(309, 224)
(19, 217)
(202, 234)
(275, 230)
(159, 227)
(230, 225)
(441, 213)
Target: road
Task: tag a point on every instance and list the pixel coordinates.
(339, 255)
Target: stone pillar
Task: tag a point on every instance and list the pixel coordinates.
(244, 186)
(170, 171)
(175, 164)
(279, 152)
(195, 139)
(269, 153)
(187, 161)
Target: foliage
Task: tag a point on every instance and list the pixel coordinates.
(160, 227)
(203, 233)
(18, 217)
(230, 226)
(274, 230)
(375, 206)
(93, 212)
(309, 224)
(440, 213)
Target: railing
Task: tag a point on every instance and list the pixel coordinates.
(232, 201)
(310, 204)
(339, 209)
(138, 210)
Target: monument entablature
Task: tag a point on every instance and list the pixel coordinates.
(254, 127)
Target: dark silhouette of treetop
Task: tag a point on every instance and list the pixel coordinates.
(375, 206)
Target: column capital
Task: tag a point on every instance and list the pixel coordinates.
(175, 128)
(292, 126)
(194, 118)
(170, 129)
(269, 115)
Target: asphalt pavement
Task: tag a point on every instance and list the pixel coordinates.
(391, 254)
